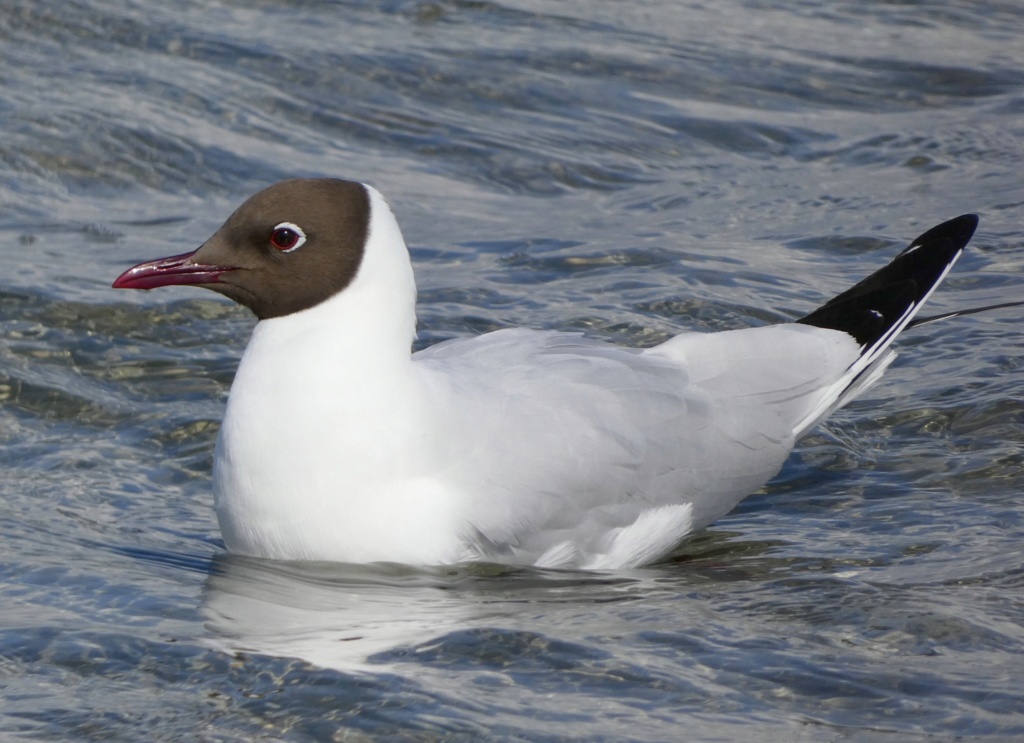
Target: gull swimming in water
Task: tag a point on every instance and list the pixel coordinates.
(518, 446)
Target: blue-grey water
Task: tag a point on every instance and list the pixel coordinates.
(626, 169)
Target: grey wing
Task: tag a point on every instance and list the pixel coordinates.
(572, 441)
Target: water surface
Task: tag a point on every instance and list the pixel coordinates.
(626, 169)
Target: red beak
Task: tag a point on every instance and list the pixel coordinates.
(177, 269)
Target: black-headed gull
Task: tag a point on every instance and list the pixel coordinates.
(519, 446)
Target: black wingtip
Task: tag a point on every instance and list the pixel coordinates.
(892, 295)
(959, 230)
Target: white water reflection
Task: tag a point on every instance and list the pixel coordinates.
(341, 616)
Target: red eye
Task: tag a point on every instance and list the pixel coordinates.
(287, 237)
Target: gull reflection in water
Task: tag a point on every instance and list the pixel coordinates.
(368, 617)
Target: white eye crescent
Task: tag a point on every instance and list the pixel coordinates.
(287, 237)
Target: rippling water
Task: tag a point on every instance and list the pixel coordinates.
(628, 169)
